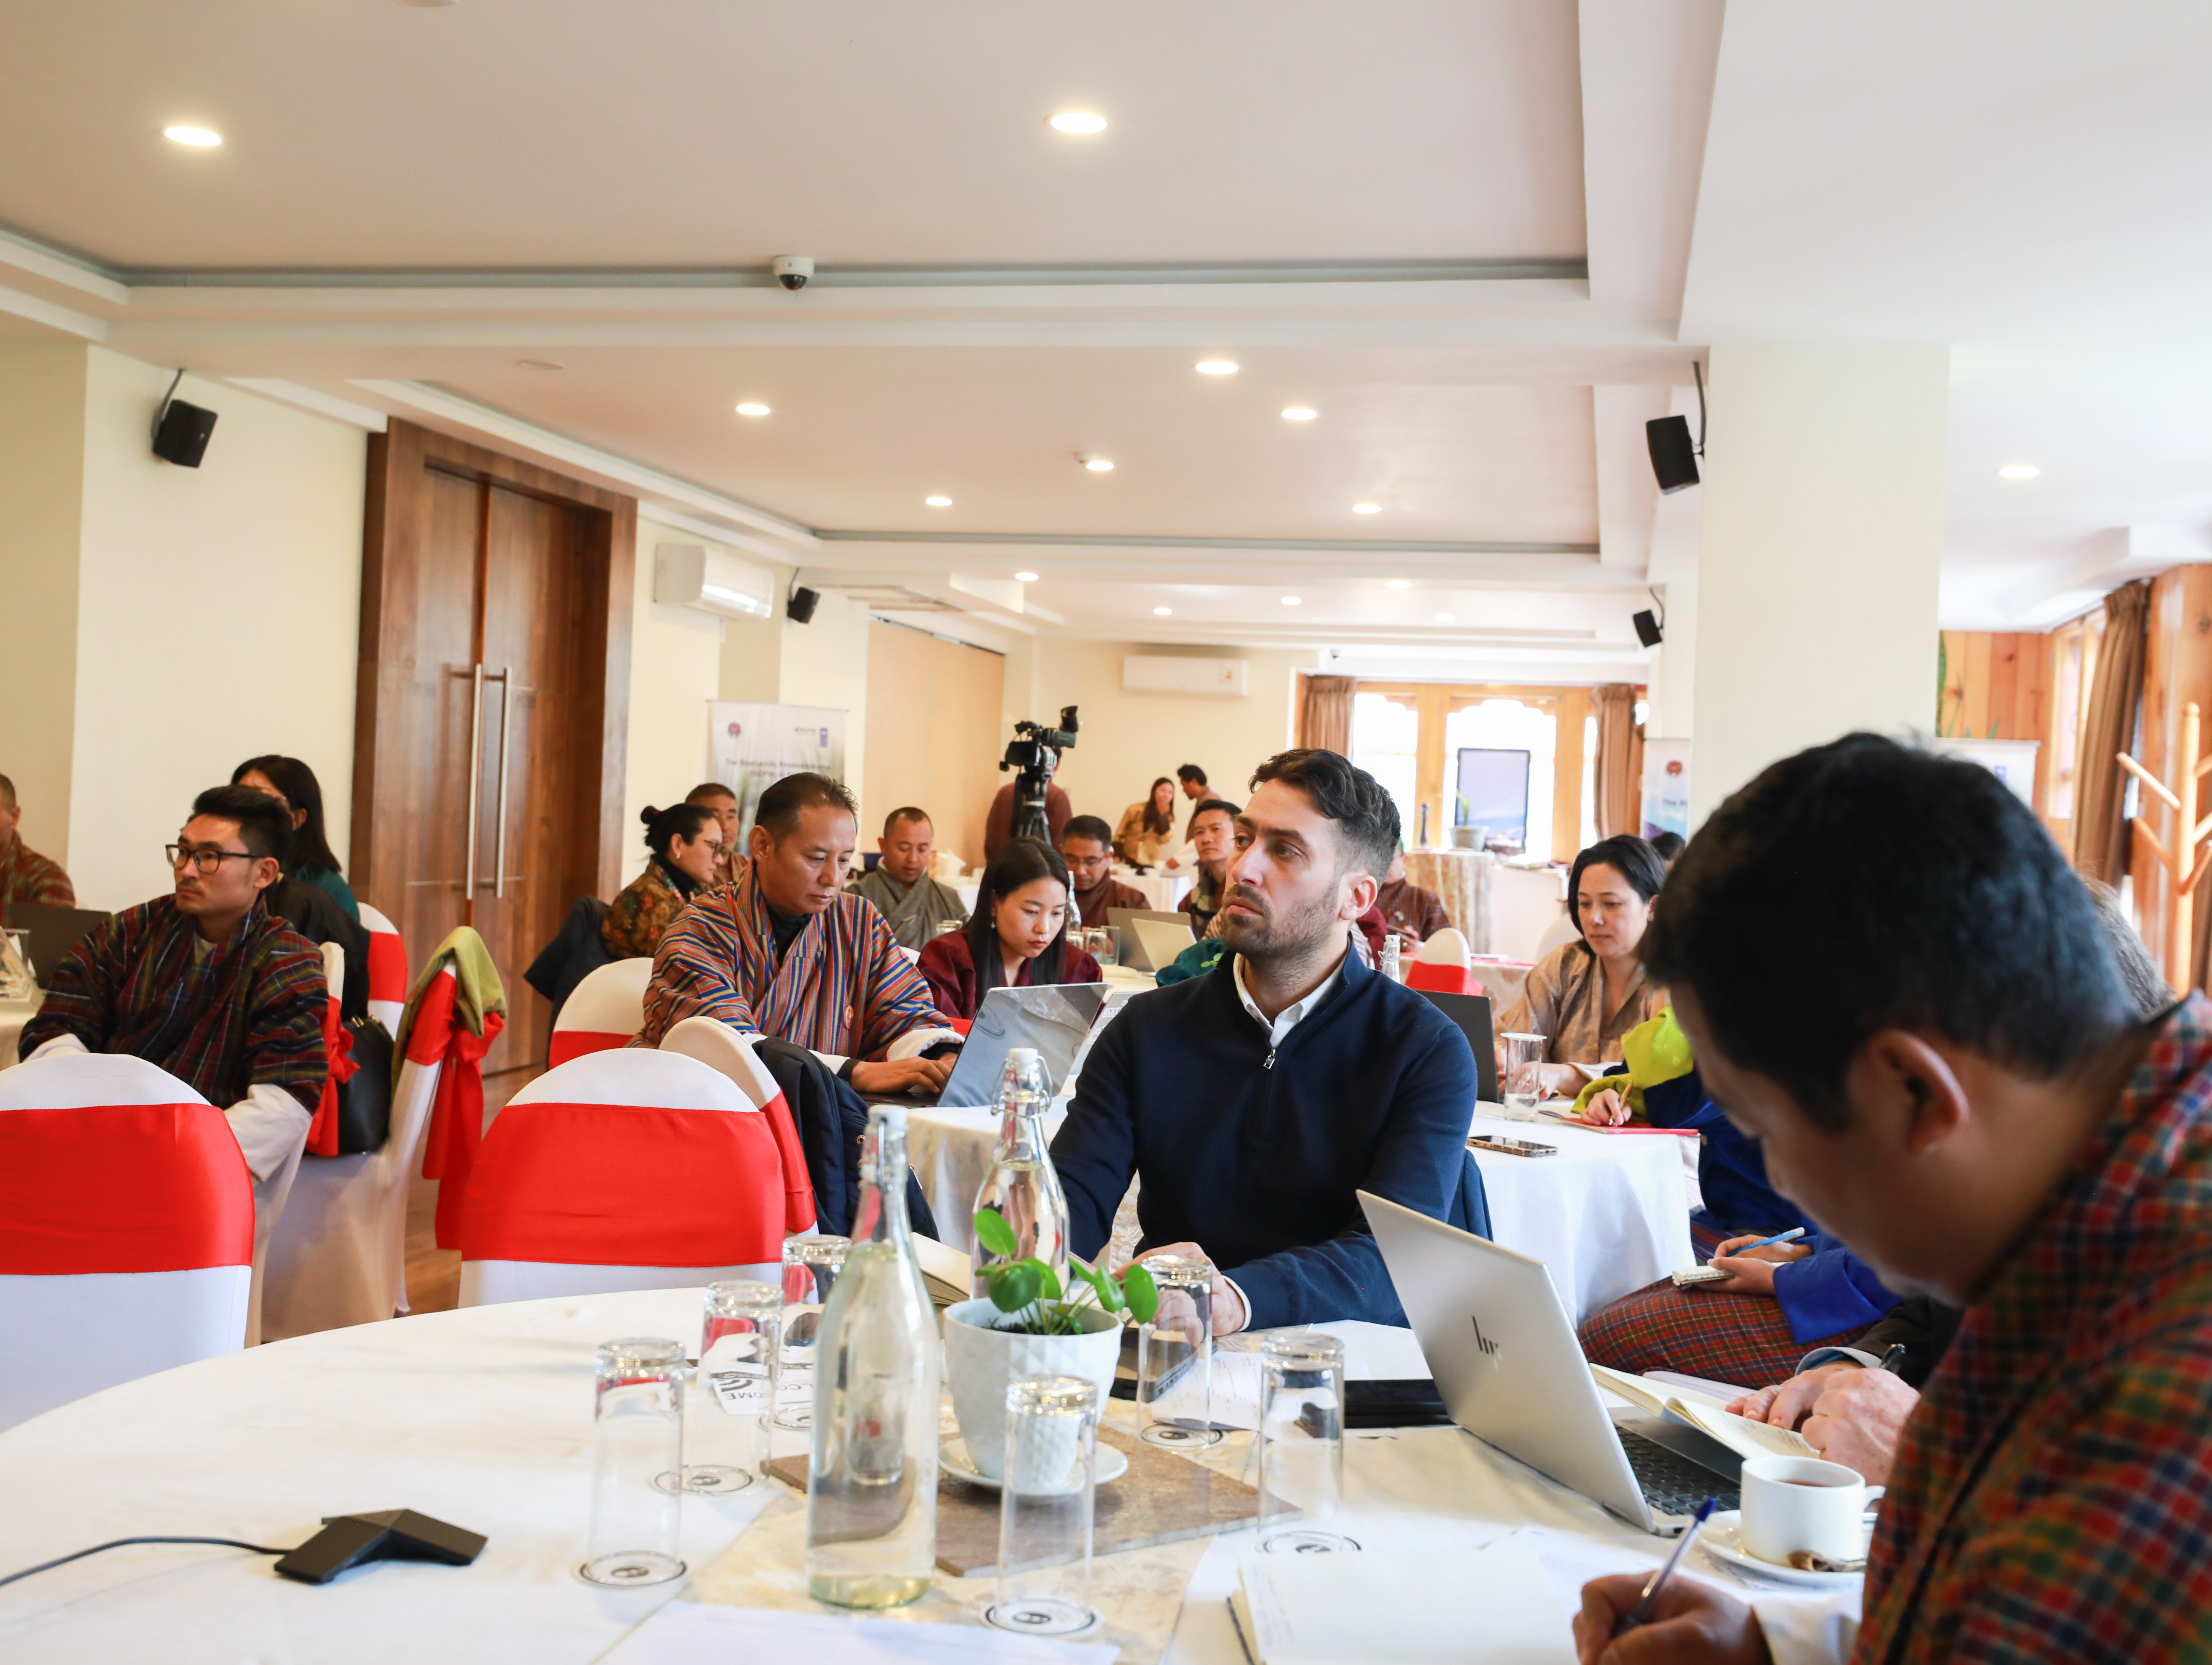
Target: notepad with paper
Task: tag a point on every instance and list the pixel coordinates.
(1707, 1414)
(948, 1274)
(1496, 1607)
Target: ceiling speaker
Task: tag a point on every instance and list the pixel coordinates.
(1674, 457)
(799, 610)
(1647, 629)
(182, 437)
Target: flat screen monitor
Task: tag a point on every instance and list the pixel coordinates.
(1493, 794)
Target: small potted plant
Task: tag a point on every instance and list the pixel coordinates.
(1028, 1326)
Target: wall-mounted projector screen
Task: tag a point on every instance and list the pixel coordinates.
(1493, 794)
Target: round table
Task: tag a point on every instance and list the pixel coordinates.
(483, 1418)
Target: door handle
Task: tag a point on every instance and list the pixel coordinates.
(476, 779)
(499, 825)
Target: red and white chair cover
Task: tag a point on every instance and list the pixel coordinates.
(1441, 964)
(620, 1170)
(387, 969)
(731, 1054)
(126, 1229)
(606, 1010)
(339, 1253)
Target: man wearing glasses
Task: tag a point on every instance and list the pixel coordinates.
(206, 983)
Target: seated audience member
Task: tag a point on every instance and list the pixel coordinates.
(916, 906)
(1957, 1085)
(1147, 830)
(25, 875)
(1088, 850)
(310, 859)
(1017, 936)
(787, 950)
(1413, 914)
(713, 795)
(999, 824)
(1213, 834)
(205, 983)
(1584, 995)
(685, 845)
(1252, 1102)
(1670, 846)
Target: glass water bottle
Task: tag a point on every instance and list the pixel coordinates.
(1021, 1182)
(872, 1482)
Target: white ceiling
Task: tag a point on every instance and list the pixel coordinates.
(1335, 187)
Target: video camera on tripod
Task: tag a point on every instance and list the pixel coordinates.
(1036, 752)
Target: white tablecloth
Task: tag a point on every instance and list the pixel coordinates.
(483, 1418)
(1163, 890)
(1608, 1214)
(948, 1152)
(13, 1014)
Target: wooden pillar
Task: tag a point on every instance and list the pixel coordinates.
(2177, 672)
(1567, 774)
(1432, 785)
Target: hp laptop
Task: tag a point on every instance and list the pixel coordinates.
(1510, 1373)
(1472, 1013)
(1056, 1019)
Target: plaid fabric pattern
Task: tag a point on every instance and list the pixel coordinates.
(251, 1013)
(2052, 1497)
(843, 988)
(1414, 914)
(1743, 1338)
(27, 876)
(642, 915)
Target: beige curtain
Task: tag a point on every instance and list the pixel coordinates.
(2100, 837)
(1325, 713)
(1616, 782)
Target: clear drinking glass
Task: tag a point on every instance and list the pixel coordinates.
(1103, 947)
(638, 1437)
(1302, 1443)
(726, 1439)
(811, 1266)
(1175, 1356)
(1520, 1078)
(1045, 1509)
(1394, 951)
(871, 1476)
(1021, 1182)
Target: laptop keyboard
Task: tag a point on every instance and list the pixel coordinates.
(1672, 1484)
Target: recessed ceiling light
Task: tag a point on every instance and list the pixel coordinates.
(1397, 583)
(2018, 471)
(539, 364)
(1078, 121)
(939, 503)
(1094, 462)
(202, 136)
(1367, 509)
(750, 409)
(1300, 413)
(1292, 601)
(1026, 577)
(1216, 367)
(1163, 612)
(1444, 618)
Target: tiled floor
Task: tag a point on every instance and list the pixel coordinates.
(434, 1275)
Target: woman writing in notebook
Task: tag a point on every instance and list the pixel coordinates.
(1016, 935)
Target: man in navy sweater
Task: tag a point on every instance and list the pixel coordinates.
(1256, 1100)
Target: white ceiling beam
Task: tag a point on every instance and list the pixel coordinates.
(2113, 558)
(310, 398)
(52, 314)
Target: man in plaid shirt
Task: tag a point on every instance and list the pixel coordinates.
(1942, 1063)
(207, 983)
(25, 875)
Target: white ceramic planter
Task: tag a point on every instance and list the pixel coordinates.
(982, 1362)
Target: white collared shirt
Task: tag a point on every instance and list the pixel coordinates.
(1288, 1018)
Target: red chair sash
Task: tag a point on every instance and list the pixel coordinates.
(626, 1185)
(568, 1043)
(449, 1151)
(337, 1041)
(122, 1187)
(387, 967)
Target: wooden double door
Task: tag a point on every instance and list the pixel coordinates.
(493, 704)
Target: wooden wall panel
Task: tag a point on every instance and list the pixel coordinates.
(933, 734)
(1998, 686)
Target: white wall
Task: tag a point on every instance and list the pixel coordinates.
(675, 670)
(825, 662)
(219, 612)
(1822, 532)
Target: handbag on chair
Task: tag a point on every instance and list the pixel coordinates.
(365, 1100)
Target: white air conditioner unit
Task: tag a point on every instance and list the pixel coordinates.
(1158, 673)
(691, 575)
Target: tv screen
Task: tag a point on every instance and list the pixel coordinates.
(1493, 795)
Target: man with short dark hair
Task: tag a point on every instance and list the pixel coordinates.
(1193, 779)
(1213, 839)
(715, 796)
(999, 821)
(787, 950)
(1412, 913)
(1087, 847)
(914, 904)
(206, 983)
(25, 875)
(1264, 1094)
(1958, 1086)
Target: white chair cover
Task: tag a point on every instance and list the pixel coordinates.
(387, 969)
(1560, 931)
(606, 1008)
(66, 1334)
(1448, 947)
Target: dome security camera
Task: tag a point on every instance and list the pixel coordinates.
(791, 271)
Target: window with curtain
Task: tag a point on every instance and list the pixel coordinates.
(1386, 735)
(1511, 725)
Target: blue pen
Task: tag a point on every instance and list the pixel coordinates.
(1790, 1235)
(1642, 1612)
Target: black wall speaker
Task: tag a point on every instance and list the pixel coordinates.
(182, 437)
(1647, 629)
(799, 610)
(1674, 457)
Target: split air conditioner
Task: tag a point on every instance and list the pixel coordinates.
(1161, 673)
(691, 575)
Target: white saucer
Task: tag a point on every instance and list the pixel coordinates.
(952, 1457)
(1722, 1540)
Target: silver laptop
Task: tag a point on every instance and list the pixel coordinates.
(1511, 1374)
(1149, 941)
(1056, 1019)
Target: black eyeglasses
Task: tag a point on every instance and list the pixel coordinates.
(204, 857)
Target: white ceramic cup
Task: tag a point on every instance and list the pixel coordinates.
(1793, 1504)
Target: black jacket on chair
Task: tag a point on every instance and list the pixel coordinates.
(831, 1117)
(575, 952)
